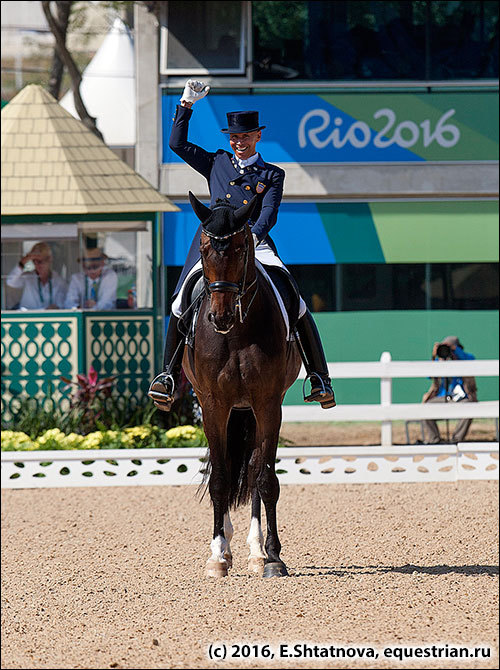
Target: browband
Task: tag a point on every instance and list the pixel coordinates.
(223, 237)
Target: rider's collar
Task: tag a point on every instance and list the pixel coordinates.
(243, 163)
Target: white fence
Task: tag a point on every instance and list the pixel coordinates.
(302, 465)
(386, 370)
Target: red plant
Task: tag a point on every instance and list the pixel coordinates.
(90, 395)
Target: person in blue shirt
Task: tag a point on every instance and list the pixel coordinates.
(450, 389)
(235, 176)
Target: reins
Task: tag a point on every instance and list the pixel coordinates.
(232, 287)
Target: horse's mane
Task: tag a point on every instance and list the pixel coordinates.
(221, 222)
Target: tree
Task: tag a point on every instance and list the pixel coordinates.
(57, 70)
(72, 68)
(58, 25)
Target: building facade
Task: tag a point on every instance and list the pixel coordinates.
(384, 116)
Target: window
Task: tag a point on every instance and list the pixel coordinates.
(392, 286)
(75, 264)
(362, 40)
(203, 38)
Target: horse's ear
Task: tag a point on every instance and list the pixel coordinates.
(201, 210)
(242, 214)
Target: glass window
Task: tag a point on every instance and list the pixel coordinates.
(391, 286)
(342, 40)
(464, 40)
(76, 266)
(203, 37)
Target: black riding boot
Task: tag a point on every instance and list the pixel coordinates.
(163, 386)
(314, 360)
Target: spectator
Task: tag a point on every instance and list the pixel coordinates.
(42, 287)
(453, 389)
(95, 287)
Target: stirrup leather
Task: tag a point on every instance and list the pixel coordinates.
(321, 391)
(166, 396)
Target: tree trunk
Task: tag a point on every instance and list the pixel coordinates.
(74, 72)
(57, 70)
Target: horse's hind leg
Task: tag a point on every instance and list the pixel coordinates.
(269, 489)
(255, 539)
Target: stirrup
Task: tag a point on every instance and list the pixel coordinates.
(161, 391)
(321, 391)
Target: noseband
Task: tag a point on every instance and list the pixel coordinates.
(227, 286)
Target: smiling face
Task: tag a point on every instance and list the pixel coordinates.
(243, 144)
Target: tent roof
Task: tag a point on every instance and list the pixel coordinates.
(108, 87)
(52, 164)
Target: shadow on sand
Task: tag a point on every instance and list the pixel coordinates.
(409, 569)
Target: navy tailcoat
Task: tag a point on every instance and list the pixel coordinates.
(227, 180)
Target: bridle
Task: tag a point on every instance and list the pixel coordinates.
(239, 288)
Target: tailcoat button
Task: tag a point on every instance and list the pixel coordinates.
(245, 202)
(231, 183)
(228, 195)
(247, 188)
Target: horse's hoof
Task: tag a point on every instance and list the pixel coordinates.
(229, 559)
(275, 569)
(256, 566)
(216, 568)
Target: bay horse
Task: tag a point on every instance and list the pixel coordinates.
(240, 366)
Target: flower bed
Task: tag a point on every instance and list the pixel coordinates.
(137, 437)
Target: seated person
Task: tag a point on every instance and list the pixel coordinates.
(42, 288)
(453, 389)
(95, 287)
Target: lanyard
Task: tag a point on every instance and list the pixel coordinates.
(40, 291)
(96, 289)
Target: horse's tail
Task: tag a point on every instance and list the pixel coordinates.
(240, 446)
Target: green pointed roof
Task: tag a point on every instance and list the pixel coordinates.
(52, 164)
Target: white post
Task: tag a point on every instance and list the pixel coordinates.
(386, 399)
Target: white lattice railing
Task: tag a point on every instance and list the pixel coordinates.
(304, 465)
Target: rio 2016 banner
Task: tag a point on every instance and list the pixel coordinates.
(352, 127)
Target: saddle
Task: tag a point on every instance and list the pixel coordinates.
(194, 291)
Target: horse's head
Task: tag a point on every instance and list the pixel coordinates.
(227, 254)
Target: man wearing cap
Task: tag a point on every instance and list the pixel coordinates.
(453, 389)
(235, 177)
(95, 287)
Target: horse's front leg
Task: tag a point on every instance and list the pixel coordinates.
(268, 427)
(255, 539)
(217, 564)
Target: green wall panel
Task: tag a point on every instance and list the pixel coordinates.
(437, 232)
(363, 336)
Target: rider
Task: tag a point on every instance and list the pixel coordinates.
(236, 177)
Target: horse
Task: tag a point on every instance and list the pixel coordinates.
(240, 366)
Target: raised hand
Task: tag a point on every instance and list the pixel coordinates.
(194, 90)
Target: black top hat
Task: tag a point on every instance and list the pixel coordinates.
(242, 122)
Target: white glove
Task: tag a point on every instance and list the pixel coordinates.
(194, 91)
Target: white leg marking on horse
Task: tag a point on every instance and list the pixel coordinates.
(218, 546)
(255, 540)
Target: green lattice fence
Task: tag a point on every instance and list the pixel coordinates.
(35, 353)
(38, 350)
(122, 346)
